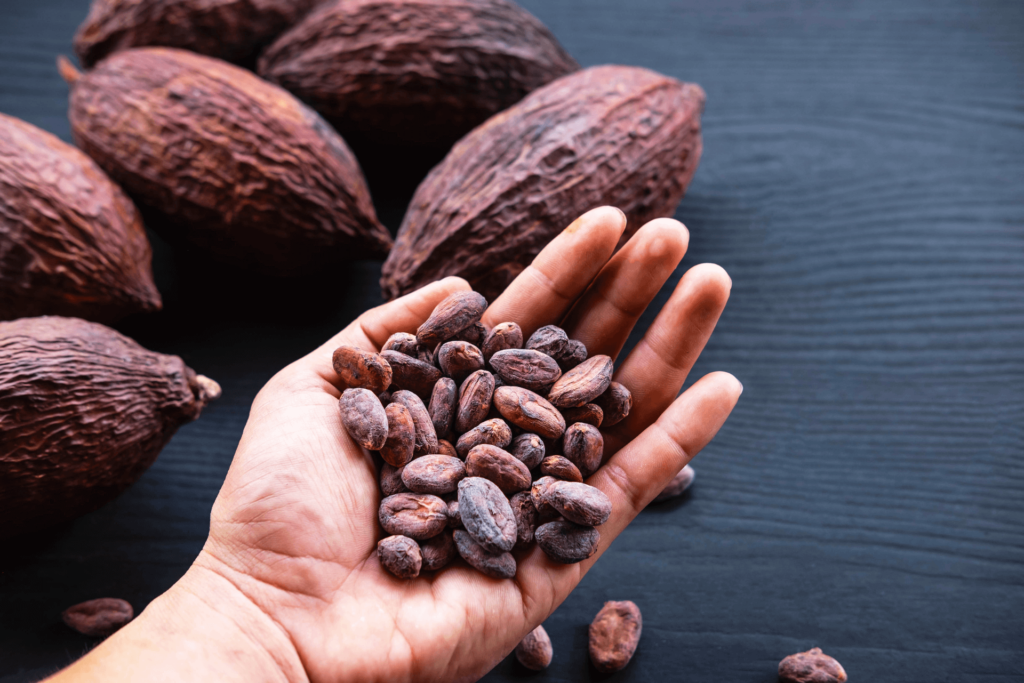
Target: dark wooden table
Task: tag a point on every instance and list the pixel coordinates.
(862, 182)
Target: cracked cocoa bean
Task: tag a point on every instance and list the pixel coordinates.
(560, 468)
(457, 312)
(584, 446)
(443, 402)
(435, 474)
(580, 503)
(494, 432)
(590, 413)
(458, 359)
(526, 517)
(529, 448)
(496, 565)
(526, 368)
(100, 617)
(398, 447)
(616, 402)
(411, 374)
(614, 635)
(438, 552)
(503, 336)
(364, 418)
(567, 543)
(426, 437)
(391, 480)
(813, 666)
(676, 487)
(583, 383)
(446, 448)
(359, 369)
(416, 515)
(499, 466)
(530, 411)
(475, 396)
(401, 556)
(406, 343)
(535, 651)
(486, 514)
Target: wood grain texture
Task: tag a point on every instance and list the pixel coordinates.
(860, 182)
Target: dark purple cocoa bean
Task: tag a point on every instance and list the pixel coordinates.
(677, 486)
(590, 413)
(406, 343)
(550, 340)
(499, 565)
(614, 635)
(438, 552)
(529, 411)
(435, 474)
(503, 336)
(616, 402)
(391, 480)
(813, 666)
(443, 402)
(98, 618)
(411, 374)
(454, 519)
(358, 369)
(537, 493)
(526, 517)
(416, 515)
(574, 354)
(385, 398)
(535, 651)
(526, 368)
(446, 448)
(458, 359)
(560, 468)
(529, 448)
(567, 543)
(580, 503)
(486, 514)
(474, 334)
(583, 383)
(398, 447)
(584, 446)
(426, 437)
(493, 432)
(401, 556)
(499, 466)
(364, 418)
(457, 312)
(474, 400)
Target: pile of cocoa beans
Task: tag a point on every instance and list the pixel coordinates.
(485, 439)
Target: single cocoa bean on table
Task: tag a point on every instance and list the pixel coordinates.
(526, 517)
(676, 487)
(567, 543)
(426, 438)
(401, 556)
(503, 336)
(529, 448)
(494, 432)
(443, 403)
(358, 369)
(498, 466)
(412, 374)
(435, 474)
(499, 565)
(583, 444)
(813, 666)
(416, 515)
(580, 503)
(406, 343)
(486, 514)
(615, 402)
(364, 418)
(535, 651)
(475, 396)
(526, 368)
(100, 617)
(560, 468)
(455, 313)
(398, 447)
(391, 480)
(614, 635)
(529, 411)
(583, 383)
(589, 413)
(458, 359)
(438, 552)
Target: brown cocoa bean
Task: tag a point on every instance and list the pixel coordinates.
(526, 368)
(503, 336)
(474, 334)
(614, 635)
(530, 411)
(580, 503)
(499, 466)
(615, 402)
(435, 474)
(100, 617)
(550, 340)
(590, 413)
(401, 556)
(438, 552)
(426, 437)
(443, 402)
(584, 446)
(406, 343)
(455, 313)
(398, 447)
(446, 448)
(454, 519)
(567, 543)
(458, 359)
(364, 418)
(535, 651)
(497, 565)
(676, 487)
(529, 448)
(583, 383)
(537, 496)
(525, 513)
(416, 515)
(813, 666)
(608, 135)
(358, 369)
(391, 480)
(411, 374)
(574, 354)
(560, 468)
(493, 432)
(486, 514)
(385, 398)
(475, 396)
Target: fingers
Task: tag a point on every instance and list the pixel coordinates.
(603, 318)
(563, 270)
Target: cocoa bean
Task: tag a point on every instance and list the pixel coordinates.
(574, 354)
(676, 487)
(535, 651)
(529, 448)
(584, 446)
(492, 432)
(364, 418)
(411, 374)
(358, 369)
(503, 336)
(98, 618)
(443, 403)
(498, 565)
(615, 402)
(582, 384)
(435, 474)
(486, 514)
(580, 503)
(401, 556)
(499, 466)
(475, 396)
(608, 135)
(458, 359)
(590, 413)
(474, 334)
(438, 552)
(529, 411)
(526, 368)
(426, 438)
(446, 448)
(454, 519)
(406, 343)
(813, 666)
(398, 447)
(385, 398)
(525, 514)
(560, 468)
(614, 635)
(455, 313)
(567, 543)
(391, 480)
(537, 491)
(550, 340)
(416, 515)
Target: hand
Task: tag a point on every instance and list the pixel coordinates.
(290, 571)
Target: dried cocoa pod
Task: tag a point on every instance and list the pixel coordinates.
(499, 466)
(236, 165)
(411, 374)
(474, 334)
(560, 468)
(813, 666)
(424, 72)
(535, 651)
(71, 242)
(401, 556)
(582, 384)
(417, 515)
(493, 432)
(232, 31)
(438, 552)
(486, 514)
(676, 487)
(499, 565)
(397, 450)
(435, 474)
(67, 387)
(530, 411)
(446, 448)
(616, 402)
(580, 503)
(443, 403)
(567, 543)
(550, 340)
(614, 635)
(584, 446)
(426, 437)
(391, 480)
(406, 343)
(503, 336)
(526, 368)
(454, 519)
(360, 369)
(525, 513)
(456, 312)
(458, 359)
(100, 617)
(615, 135)
(529, 448)
(574, 354)
(364, 418)
(475, 396)
(590, 413)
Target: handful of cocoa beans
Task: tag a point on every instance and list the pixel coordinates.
(485, 439)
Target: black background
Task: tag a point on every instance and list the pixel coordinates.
(862, 183)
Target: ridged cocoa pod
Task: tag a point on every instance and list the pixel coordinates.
(69, 390)
(614, 635)
(617, 135)
(239, 167)
(401, 556)
(100, 617)
(813, 666)
(71, 242)
(423, 71)
(358, 369)
(234, 31)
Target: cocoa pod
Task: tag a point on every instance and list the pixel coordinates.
(560, 468)
(458, 359)
(614, 635)
(438, 552)
(525, 514)
(503, 336)
(67, 387)
(358, 369)
(676, 487)
(529, 448)
(426, 438)
(499, 466)
(456, 312)
(454, 519)
(364, 418)
(401, 556)
(417, 515)
(443, 404)
(535, 651)
(237, 166)
(582, 384)
(424, 72)
(526, 368)
(490, 432)
(71, 242)
(590, 413)
(615, 402)
(475, 396)
(617, 135)
(100, 617)
(486, 514)
(584, 446)
(580, 503)
(406, 343)
(391, 480)
(412, 374)
(446, 448)
(232, 31)
(529, 411)
(550, 340)
(435, 474)
(813, 666)
(574, 354)
(397, 450)
(498, 565)
(567, 543)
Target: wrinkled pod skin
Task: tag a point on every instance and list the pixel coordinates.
(83, 412)
(226, 161)
(71, 242)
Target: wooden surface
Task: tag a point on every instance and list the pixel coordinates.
(862, 182)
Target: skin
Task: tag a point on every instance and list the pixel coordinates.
(288, 586)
